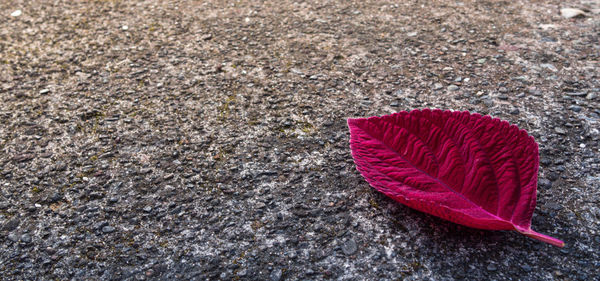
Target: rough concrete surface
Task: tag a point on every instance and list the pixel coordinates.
(208, 139)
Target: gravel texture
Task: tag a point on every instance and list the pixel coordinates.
(208, 139)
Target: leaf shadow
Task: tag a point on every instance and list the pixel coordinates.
(465, 249)
(455, 234)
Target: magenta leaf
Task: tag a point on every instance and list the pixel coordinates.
(467, 168)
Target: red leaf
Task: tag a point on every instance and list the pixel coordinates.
(470, 169)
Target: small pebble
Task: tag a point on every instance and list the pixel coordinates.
(568, 13)
(276, 275)
(545, 183)
(549, 66)
(452, 88)
(242, 273)
(553, 206)
(575, 108)
(349, 247)
(13, 237)
(548, 39)
(11, 224)
(547, 26)
(488, 102)
(16, 13)
(108, 229)
(26, 238)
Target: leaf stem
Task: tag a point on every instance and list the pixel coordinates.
(542, 237)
